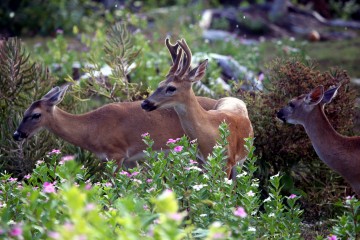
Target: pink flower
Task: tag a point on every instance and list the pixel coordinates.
(89, 207)
(16, 231)
(108, 184)
(240, 212)
(176, 216)
(48, 187)
(332, 237)
(193, 141)
(178, 148)
(261, 77)
(88, 186)
(134, 174)
(149, 180)
(125, 173)
(54, 235)
(27, 176)
(349, 197)
(66, 159)
(145, 134)
(292, 196)
(145, 207)
(54, 152)
(12, 179)
(192, 161)
(218, 236)
(171, 141)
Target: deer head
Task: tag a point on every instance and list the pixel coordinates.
(299, 108)
(37, 115)
(177, 85)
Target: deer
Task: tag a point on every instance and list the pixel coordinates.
(340, 153)
(198, 123)
(112, 131)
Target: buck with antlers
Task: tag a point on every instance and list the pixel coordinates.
(197, 122)
(340, 153)
(111, 132)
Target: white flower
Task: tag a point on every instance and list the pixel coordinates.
(275, 176)
(267, 199)
(228, 181)
(198, 187)
(250, 193)
(194, 168)
(205, 176)
(272, 215)
(203, 215)
(241, 174)
(252, 229)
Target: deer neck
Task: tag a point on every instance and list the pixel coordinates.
(192, 116)
(70, 127)
(325, 140)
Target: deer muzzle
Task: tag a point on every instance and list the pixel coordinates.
(148, 105)
(18, 136)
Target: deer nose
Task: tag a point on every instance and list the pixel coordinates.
(280, 115)
(18, 136)
(148, 106)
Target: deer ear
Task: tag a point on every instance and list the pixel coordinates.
(51, 92)
(330, 94)
(199, 72)
(57, 97)
(315, 96)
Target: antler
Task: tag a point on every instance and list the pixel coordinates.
(172, 49)
(187, 58)
(175, 66)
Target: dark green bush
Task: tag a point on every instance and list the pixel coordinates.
(30, 17)
(22, 82)
(287, 148)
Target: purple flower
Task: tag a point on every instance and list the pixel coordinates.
(292, 196)
(193, 162)
(125, 173)
(149, 180)
(88, 186)
(240, 212)
(54, 235)
(145, 134)
(332, 237)
(178, 148)
(12, 179)
(145, 207)
(66, 159)
(89, 207)
(16, 231)
(48, 187)
(27, 176)
(171, 141)
(261, 77)
(176, 216)
(55, 152)
(134, 174)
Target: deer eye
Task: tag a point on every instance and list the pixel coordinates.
(36, 116)
(170, 89)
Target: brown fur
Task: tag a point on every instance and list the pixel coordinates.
(112, 131)
(340, 153)
(197, 122)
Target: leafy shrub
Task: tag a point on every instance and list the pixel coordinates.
(287, 148)
(21, 83)
(170, 198)
(45, 17)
